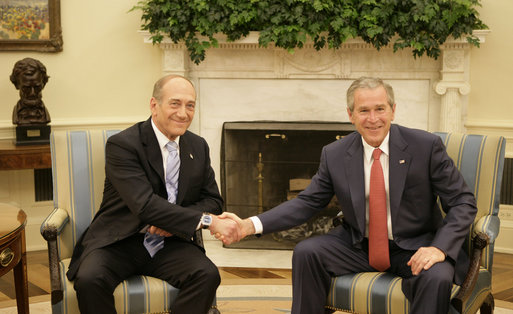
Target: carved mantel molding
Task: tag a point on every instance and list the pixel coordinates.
(243, 59)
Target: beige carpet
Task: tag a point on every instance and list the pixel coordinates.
(253, 306)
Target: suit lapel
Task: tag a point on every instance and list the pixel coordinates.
(186, 163)
(151, 145)
(399, 163)
(355, 179)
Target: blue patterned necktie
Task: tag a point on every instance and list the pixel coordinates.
(153, 242)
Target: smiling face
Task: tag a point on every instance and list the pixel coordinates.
(173, 112)
(372, 115)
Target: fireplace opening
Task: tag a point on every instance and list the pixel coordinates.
(264, 163)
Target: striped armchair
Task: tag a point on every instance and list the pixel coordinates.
(78, 168)
(480, 160)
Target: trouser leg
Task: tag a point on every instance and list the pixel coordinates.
(94, 293)
(99, 274)
(186, 267)
(315, 261)
(430, 291)
(181, 263)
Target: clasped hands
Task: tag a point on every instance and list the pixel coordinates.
(226, 227)
(229, 228)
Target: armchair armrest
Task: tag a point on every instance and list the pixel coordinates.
(54, 223)
(50, 229)
(480, 241)
(489, 225)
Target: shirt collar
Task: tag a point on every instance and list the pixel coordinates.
(161, 138)
(368, 149)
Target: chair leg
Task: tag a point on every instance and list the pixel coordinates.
(488, 305)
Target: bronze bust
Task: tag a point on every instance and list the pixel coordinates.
(29, 76)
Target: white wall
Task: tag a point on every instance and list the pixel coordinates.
(490, 108)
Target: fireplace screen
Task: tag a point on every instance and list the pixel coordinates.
(265, 163)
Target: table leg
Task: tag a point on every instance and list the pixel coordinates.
(21, 280)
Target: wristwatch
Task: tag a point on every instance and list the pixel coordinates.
(206, 221)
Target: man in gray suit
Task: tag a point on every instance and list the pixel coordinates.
(155, 199)
(420, 244)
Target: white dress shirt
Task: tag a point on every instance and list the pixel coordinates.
(163, 140)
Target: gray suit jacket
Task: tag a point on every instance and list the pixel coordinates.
(420, 171)
(135, 192)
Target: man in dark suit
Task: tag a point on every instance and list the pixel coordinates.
(144, 199)
(420, 244)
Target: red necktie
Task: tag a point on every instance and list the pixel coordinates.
(378, 234)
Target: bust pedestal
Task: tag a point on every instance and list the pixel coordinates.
(32, 134)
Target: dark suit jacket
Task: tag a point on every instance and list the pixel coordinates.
(135, 193)
(420, 170)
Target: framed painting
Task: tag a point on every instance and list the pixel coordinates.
(30, 25)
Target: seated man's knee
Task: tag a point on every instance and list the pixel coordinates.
(92, 282)
(211, 275)
(305, 249)
(439, 275)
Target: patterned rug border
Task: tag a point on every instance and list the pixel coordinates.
(254, 298)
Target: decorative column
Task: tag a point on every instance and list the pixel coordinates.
(452, 87)
(454, 83)
(175, 59)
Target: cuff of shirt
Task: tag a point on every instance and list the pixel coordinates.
(257, 224)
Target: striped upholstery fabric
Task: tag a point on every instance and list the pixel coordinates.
(138, 294)
(480, 160)
(78, 165)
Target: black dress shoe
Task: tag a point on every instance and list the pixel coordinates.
(213, 311)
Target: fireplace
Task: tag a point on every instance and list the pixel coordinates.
(264, 163)
(243, 81)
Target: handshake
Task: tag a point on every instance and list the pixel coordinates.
(229, 228)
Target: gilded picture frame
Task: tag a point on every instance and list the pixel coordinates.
(30, 25)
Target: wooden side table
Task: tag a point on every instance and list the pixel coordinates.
(13, 252)
(14, 157)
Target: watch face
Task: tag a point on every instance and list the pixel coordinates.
(206, 220)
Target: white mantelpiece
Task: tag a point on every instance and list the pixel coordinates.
(241, 81)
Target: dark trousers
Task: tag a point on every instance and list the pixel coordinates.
(182, 264)
(316, 260)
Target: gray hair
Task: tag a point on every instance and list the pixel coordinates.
(157, 88)
(369, 83)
